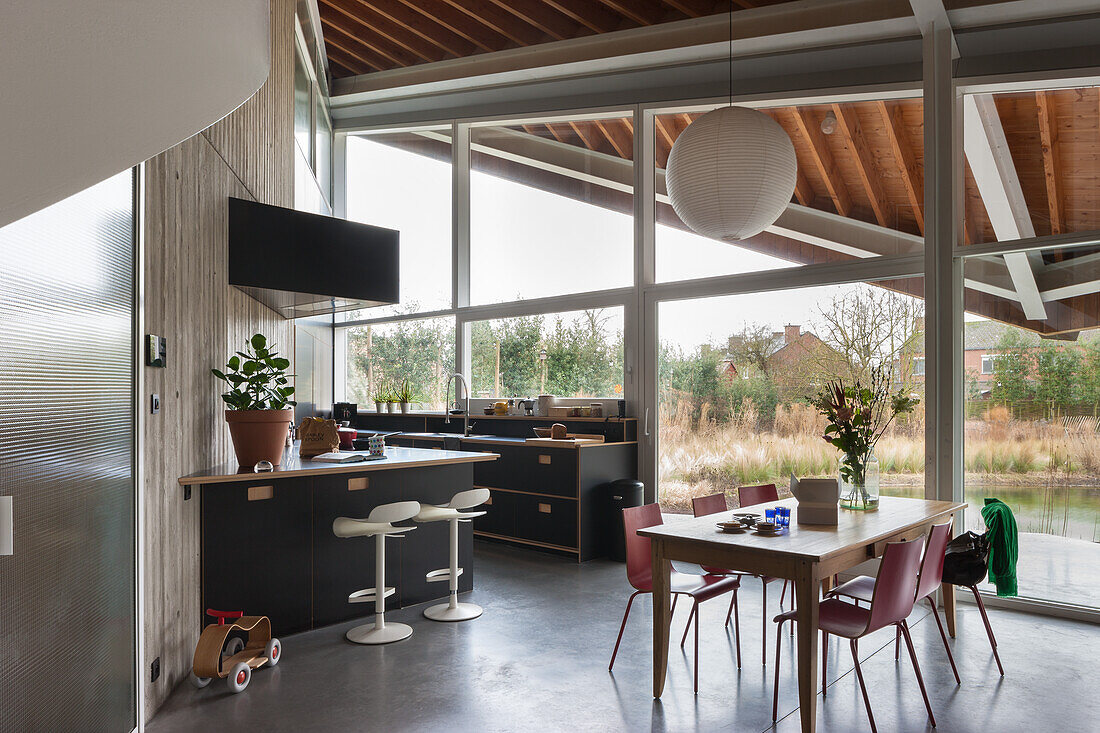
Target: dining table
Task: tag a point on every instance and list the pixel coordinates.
(807, 554)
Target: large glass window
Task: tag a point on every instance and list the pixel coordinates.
(1032, 420)
(577, 354)
(860, 192)
(551, 208)
(381, 357)
(403, 181)
(736, 374)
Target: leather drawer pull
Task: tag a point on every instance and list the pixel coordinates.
(544, 460)
(260, 493)
(358, 484)
(544, 508)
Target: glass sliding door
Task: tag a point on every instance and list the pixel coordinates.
(736, 373)
(67, 594)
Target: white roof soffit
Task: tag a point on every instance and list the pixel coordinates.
(91, 89)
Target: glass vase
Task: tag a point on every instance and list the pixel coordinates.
(861, 496)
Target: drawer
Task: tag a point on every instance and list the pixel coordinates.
(500, 514)
(502, 473)
(549, 470)
(546, 519)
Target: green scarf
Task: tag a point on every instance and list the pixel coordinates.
(1004, 546)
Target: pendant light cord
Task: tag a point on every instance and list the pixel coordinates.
(731, 53)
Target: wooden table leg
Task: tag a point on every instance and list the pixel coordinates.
(948, 592)
(807, 591)
(661, 616)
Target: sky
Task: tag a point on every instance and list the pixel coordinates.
(529, 243)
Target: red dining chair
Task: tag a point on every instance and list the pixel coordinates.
(702, 506)
(751, 496)
(891, 603)
(862, 588)
(639, 571)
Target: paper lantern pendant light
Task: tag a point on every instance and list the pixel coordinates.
(731, 173)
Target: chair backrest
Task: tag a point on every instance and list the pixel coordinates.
(638, 561)
(931, 567)
(896, 584)
(750, 495)
(468, 499)
(398, 511)
(701, 506)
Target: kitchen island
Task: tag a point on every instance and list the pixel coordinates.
(266, 539)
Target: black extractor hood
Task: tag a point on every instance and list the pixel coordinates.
(303, 264)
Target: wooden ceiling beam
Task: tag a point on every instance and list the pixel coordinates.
(592, 16)
(365, 20)
(414, 23)
(642, 12)
(849, 126)
(496, 20)
(540, 17)
(803, 191)
(810, 130)
(692, 8)
(662, 132)
(359, 46)
(1048, 137)
(349, 60)
(584, 131)
(911, 174)
(620, 135)
(456, 23)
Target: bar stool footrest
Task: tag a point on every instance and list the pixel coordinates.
(438, 576)
(367, 595)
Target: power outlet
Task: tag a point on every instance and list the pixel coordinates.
(154, 670)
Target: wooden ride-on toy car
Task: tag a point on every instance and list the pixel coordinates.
(228, 657)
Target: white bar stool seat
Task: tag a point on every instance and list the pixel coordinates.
(453, 513)
(378, 524)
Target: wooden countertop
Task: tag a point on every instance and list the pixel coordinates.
(293, 466)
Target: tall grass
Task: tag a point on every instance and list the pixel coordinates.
(702, 456)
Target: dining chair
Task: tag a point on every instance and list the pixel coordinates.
(702, 506)
(891, 603)
(751, 496)
(639, 572)
(862, 588)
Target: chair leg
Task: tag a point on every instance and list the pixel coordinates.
(775, 688)
(824, 663)
(988, 628)
(696, 664)
(783, 594)
(764, 629)
(863, 685)
(737, 627)
(943, 636)
(729, 612)
(904, 627)
(694, 608)
(675, 597)
(897, 643)
(621, 627)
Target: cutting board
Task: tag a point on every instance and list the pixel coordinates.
(570, 439)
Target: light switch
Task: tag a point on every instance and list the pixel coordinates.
(7, 530)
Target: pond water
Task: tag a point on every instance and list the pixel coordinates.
(1065, 511)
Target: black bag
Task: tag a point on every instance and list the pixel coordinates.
(965, 562)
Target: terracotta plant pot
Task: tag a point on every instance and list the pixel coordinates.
(259, 435)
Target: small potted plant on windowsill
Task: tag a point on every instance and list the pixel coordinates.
(380, 399)
(391, 401)
(259, 414)
(404, 397)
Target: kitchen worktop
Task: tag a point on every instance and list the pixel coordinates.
(293, 466)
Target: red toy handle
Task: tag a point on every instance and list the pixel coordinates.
(223, 615)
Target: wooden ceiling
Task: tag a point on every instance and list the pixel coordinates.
(364, 36)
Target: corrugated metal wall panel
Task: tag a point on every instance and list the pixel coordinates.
(67, 610)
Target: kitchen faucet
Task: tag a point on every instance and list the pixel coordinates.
(466, 412)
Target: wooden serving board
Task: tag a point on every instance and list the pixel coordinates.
(569, 440)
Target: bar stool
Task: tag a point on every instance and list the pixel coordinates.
(378, 524)
(453, 514)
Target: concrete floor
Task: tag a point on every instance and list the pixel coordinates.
(537, 661)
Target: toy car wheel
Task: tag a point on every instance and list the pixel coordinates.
(239, 677)
(233, 646)
(273, 652)
(199, 682)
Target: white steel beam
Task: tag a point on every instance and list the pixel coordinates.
(999, 186)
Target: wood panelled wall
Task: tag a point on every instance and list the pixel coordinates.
(248, 154)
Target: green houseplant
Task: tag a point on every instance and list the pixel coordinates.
(405, 396)
(857, 416)
(380, 398)
(258, 402)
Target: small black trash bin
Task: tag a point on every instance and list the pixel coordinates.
(623, 493)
